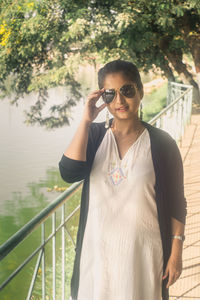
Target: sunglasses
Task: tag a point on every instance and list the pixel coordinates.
(127, 90)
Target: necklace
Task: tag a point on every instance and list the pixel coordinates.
(138, 130)
(115, 171)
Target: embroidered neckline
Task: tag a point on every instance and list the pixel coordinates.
(115, 170)
(133, 144)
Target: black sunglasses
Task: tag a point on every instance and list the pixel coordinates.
(127, 90)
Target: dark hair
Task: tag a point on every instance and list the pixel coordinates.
(129, 70)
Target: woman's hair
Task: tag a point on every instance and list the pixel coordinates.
(127, 68)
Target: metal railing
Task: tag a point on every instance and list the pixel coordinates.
(175, 90)
(177, 115)
(46, 214)
(173, 119)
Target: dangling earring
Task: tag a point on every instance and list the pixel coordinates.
(107, 119)
(141, 112)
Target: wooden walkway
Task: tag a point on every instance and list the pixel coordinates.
(187, 286)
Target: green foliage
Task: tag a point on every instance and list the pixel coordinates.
(32, 55)
(154, 102)
(42, 43)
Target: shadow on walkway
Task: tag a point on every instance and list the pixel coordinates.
(187, 286)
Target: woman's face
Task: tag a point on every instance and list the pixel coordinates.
(122, 107)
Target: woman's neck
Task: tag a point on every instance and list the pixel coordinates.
(128, 126)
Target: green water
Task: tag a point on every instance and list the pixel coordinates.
(18, 287)
(29, 159)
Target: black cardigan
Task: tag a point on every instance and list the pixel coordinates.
(169, 189)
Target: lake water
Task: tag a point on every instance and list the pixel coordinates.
(29, 157)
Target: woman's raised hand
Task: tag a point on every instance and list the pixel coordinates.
(91, 111)
(78, 146)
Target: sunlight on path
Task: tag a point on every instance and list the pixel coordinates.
(188, 285)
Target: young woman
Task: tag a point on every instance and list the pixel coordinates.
(133, 209)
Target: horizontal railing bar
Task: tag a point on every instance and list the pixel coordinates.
(36, 251)
(180, 84)
(19, 236)
(164, 110)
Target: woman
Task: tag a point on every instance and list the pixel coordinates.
(133, 209)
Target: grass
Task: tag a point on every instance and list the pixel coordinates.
(154, 102)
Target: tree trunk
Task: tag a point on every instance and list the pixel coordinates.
(194, 44)
(189, 26)
(185, 76)
(167, 71)
(175, 58)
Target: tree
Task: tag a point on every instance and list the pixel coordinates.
(43, 42)
(34, 56)
(156, 33)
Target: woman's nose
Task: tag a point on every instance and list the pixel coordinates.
(120, 98)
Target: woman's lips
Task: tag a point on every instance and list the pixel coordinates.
(122, 108)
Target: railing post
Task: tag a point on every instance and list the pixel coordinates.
(63, 252)
(54, 254)
(168, 92)
(43, 264)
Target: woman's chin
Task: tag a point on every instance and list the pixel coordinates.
(123, 115)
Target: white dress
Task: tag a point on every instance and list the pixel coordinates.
(122, 256)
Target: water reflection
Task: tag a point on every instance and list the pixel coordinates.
(22, 206)
(17, 212)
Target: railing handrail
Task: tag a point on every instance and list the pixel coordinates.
(180, 84)
(21, 234)
(164, 110)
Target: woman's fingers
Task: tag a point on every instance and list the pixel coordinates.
(173, 270)
(166, 273)
(91, 110)
(171, 280)
(95, 95)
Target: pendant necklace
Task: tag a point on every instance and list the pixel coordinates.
(116, 174)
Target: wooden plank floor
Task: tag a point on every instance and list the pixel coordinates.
(187, 286)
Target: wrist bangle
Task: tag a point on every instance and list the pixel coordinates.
(179, 237)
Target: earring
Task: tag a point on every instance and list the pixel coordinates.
(107, 119)
(141, 112)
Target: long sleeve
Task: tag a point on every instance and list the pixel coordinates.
(75, 170)
(72, 170)
(175, 184)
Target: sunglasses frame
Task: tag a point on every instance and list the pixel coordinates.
(115, 93)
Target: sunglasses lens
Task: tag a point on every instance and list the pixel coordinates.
(128, 91)
(108, 95)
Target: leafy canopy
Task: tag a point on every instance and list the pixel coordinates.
(42, 44)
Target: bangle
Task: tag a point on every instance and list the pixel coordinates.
(180, 237)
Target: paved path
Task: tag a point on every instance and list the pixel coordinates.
(187, 286)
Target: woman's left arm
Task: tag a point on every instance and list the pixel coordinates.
(174, 265)
(178, 211)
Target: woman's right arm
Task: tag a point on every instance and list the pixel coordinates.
(73, 165)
